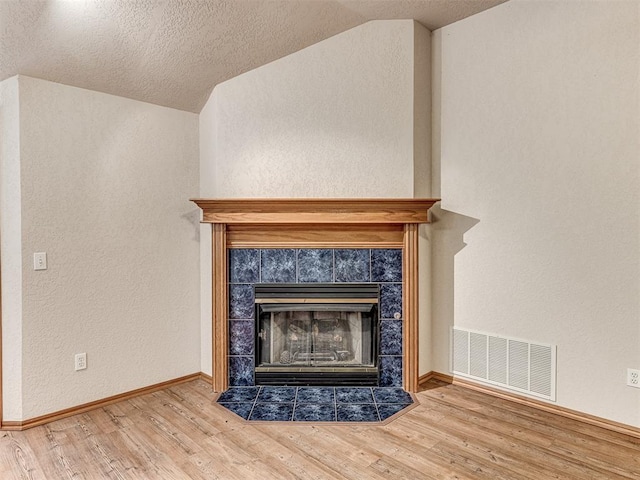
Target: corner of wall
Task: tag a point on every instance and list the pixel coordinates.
(421, 111)
(10, 250)
(422, 181)
(436, 91)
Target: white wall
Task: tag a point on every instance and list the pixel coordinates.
(10, 249)
(335, 120)
(105, 187)
(536, 141)
(332, 120)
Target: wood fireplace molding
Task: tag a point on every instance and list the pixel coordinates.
(315, 223)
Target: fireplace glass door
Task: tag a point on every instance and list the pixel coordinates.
(303, 343)
(316, 338)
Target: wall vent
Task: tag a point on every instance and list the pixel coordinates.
(510, 363)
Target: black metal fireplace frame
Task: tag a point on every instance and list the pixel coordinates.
(325, 296)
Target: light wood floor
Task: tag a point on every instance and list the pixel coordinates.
(180, 433)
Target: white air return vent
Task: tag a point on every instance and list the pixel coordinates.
(461, 351)
(510, 363)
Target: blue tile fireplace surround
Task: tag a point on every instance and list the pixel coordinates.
(251, 266)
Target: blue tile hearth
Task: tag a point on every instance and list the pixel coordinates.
(353, 412)
(241, 409)
(311, 412)
(354, 395)
(315, 404)
(272, 412)
(277, 395)
(316, 395)
(391, 395)
(239, 394)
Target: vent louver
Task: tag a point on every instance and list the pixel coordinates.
(510, 363)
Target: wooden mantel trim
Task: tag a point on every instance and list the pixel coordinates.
(315, 223)
(314, 210)
(410, 295)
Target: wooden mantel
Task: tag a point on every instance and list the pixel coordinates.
(315, 223)
(313, 210)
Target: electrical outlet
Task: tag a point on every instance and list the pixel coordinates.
(633, 377)
(81, 361)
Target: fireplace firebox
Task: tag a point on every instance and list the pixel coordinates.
(316, 334)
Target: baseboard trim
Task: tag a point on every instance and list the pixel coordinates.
(68, 412)
(531, 402)
(422, 381)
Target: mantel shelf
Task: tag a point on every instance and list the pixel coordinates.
(316, 211)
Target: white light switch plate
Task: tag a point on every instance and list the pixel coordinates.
(40, 261)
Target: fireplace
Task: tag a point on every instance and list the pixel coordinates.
(278, 228)
(316, 334)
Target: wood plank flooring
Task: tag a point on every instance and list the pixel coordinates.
(181, 433)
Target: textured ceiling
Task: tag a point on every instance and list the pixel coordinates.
(173, 52)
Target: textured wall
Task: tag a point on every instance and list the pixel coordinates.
(333, 120)
(538, 125)
(105, 188)
(10, 248)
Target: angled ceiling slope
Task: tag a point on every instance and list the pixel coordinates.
(173, 52)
